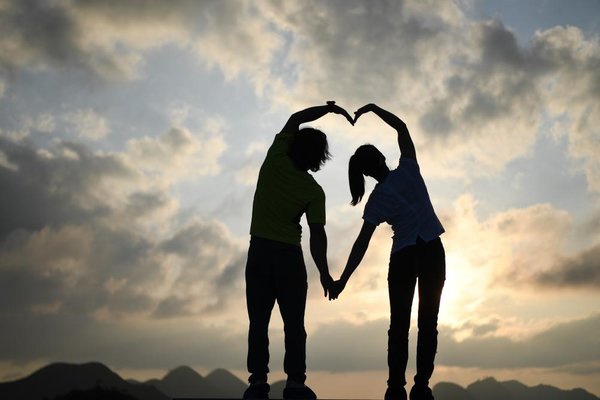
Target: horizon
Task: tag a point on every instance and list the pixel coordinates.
(131, 135)
(276, 382)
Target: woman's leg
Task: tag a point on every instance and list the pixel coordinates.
(401, 284)
(431, 277)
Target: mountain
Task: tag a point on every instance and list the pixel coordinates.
(94, 380)
(61, 378)
(491, 389)
(451, 391)
(228, 384)
(183, 382)
(277, 390)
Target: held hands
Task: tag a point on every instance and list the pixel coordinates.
(336, 288)
(327, 283)
(332, 107)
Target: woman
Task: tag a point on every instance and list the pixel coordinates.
(400, 198)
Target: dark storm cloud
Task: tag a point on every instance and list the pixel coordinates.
(41, 29)
(41, 33)
(157, 344)
(53, 189)
(71, 239)
(344, 346)
(580, 271)
(563, 344)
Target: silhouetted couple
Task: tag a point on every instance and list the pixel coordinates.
(275, 269)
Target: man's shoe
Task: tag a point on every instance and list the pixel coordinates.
(257, 391)
(421, 393)
(395, 393)
(299, 393)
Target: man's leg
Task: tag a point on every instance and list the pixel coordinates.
(260, 299)
(401, 285)
(292, 288)
(432, 274)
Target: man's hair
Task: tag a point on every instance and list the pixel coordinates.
(309, 149)
(364, 162)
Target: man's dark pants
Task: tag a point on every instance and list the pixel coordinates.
(275, 271)
(424, 263)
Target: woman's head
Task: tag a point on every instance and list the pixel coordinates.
(309, 149)
(366, 161)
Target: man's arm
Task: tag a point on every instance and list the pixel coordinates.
(318, 250)
(407, 147)
(361, 244)
(313, 113)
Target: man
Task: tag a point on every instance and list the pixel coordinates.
(275, 270)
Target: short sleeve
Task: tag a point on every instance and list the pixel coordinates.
(315, 212)
(281, 144)
(373, 210)
(409, 164)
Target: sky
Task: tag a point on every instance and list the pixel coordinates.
(131, 134)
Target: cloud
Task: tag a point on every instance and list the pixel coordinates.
(90, 233)
(344, 346)
(129, 343)
(472, 95)
(178, 152)
(579, 271)
(87, 124)
(560, 345)
(42, 34)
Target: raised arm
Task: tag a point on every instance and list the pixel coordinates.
(313, 113)
(407, 147)
(361, 244)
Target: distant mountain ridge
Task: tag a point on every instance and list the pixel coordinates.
(68, 381)
(59, 379)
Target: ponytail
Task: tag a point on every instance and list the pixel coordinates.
(364, 161)
(356, 179)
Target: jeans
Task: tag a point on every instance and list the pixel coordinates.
(275, 271)
(425, 263)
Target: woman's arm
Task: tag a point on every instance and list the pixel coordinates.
(361, 244)
(313, 113)
(407, 147)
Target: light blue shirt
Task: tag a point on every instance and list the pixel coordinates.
(402, 201)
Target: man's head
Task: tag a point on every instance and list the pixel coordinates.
(309, 149)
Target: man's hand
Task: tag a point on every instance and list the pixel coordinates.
(336, 289)
(326, 282)
(339, 110)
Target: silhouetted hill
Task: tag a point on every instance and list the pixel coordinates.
(61, 378)
(96, 393)
(491, 389)
(183, 382)
(228, 384)
(63, 381)
(277, 390)
(451, 391)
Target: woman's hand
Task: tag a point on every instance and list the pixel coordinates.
(364, 109)
(336, 289)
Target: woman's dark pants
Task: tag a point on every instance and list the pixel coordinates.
(275, 271)
(423, 264)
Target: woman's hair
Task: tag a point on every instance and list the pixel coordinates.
(309, 149)
(365, 161)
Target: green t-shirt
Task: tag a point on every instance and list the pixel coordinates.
(283, 194)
